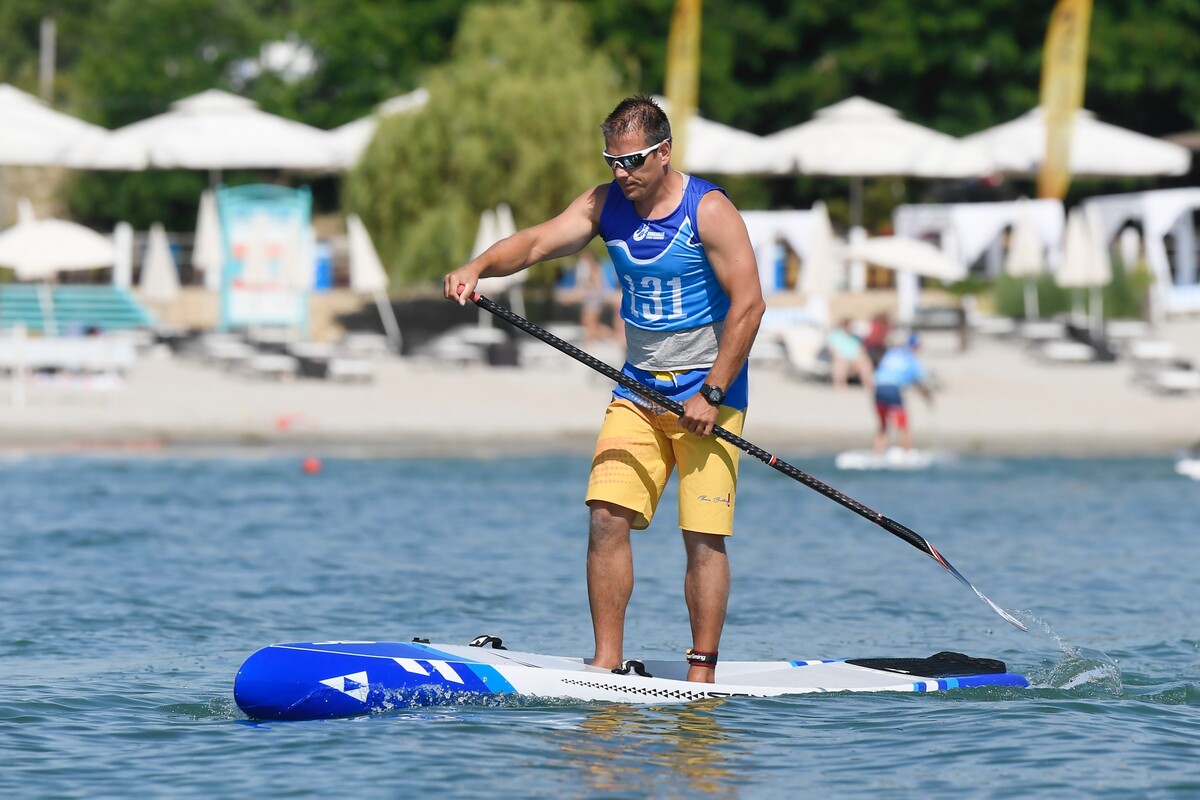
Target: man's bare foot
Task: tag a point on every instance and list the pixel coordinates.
(697, 674)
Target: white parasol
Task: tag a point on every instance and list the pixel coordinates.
(159, 282)
(38, 249)
(368, 276)
(1025, 258)
(213, 130)
(1097, 148)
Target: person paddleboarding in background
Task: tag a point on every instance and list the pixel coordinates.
(691, 305)
(898, 369)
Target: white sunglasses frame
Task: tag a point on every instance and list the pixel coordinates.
(615, 161)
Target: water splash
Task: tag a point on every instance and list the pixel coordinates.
(1081, 669)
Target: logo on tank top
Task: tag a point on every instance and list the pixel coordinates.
(644, 232)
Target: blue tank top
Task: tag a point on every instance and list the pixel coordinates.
(668, 282)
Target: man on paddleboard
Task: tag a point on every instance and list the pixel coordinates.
(691, 304)
(899, 368)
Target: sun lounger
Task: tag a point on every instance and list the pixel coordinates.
(79, 354)
(272, 365)
(350, 370)
(1152, 351)
(803, 345)
(993, 326)
(1175, 381)
(768, 350)
(1067, 352)
(365, 345)
(1039, 332)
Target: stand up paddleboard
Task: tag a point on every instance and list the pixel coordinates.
(892, 458)
(322, 680)
(1189, 467)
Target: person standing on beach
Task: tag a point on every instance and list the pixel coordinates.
(848, 358)
(691, 305)
(898, 369)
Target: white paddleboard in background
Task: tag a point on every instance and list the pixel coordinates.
(322, 680)
(893, 458)
(1189, 467)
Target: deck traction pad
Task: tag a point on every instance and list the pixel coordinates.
(945, 664)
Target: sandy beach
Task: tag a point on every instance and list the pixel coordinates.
(995, 398)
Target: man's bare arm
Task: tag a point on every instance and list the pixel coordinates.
(727, 245)
(560, 236)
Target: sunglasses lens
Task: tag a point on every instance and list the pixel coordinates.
(629, 162)
(626, 163)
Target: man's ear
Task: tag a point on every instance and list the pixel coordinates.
(665, 153)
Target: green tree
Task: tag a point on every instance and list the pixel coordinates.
(20, 37)
(512, 118)
(366, 52)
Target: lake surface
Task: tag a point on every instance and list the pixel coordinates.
(134, 586)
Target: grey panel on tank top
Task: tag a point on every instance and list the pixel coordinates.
(674, 351)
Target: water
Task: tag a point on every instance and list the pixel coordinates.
(133, 587)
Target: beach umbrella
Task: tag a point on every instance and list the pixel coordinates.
(486, 234)
(208, 253)
(368, 276)
(910, 258)
(822, 267)
(213, 131)
(33, 134)
(1085, 263)
(123, 264)
(904, 254)
(717, 149)
(1024, 258)
(714, 148)
(858, 138)
(494, 225)
(40, 249)
(159, 281)
(350, 140)
(1097, 148)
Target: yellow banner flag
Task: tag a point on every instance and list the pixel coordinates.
(1064, 70)
(683, 72)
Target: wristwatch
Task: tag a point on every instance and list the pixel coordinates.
(713, 394)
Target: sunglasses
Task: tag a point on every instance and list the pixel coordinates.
(631, 161)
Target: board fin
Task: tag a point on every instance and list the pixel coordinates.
(945, 664)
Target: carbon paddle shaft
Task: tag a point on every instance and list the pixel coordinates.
(889, 525)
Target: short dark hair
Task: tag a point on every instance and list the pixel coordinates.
(638, 114)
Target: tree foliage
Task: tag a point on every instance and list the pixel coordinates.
(767, 64)
(366, 52)
(513, 118)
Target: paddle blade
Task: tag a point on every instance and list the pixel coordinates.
(938, 557)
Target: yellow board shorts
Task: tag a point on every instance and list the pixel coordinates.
(636, 452)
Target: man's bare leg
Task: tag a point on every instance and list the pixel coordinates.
(706, 589)
(609, 579)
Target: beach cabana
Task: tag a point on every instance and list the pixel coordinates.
(1161, 214)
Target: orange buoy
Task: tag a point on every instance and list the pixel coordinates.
(311, 465)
